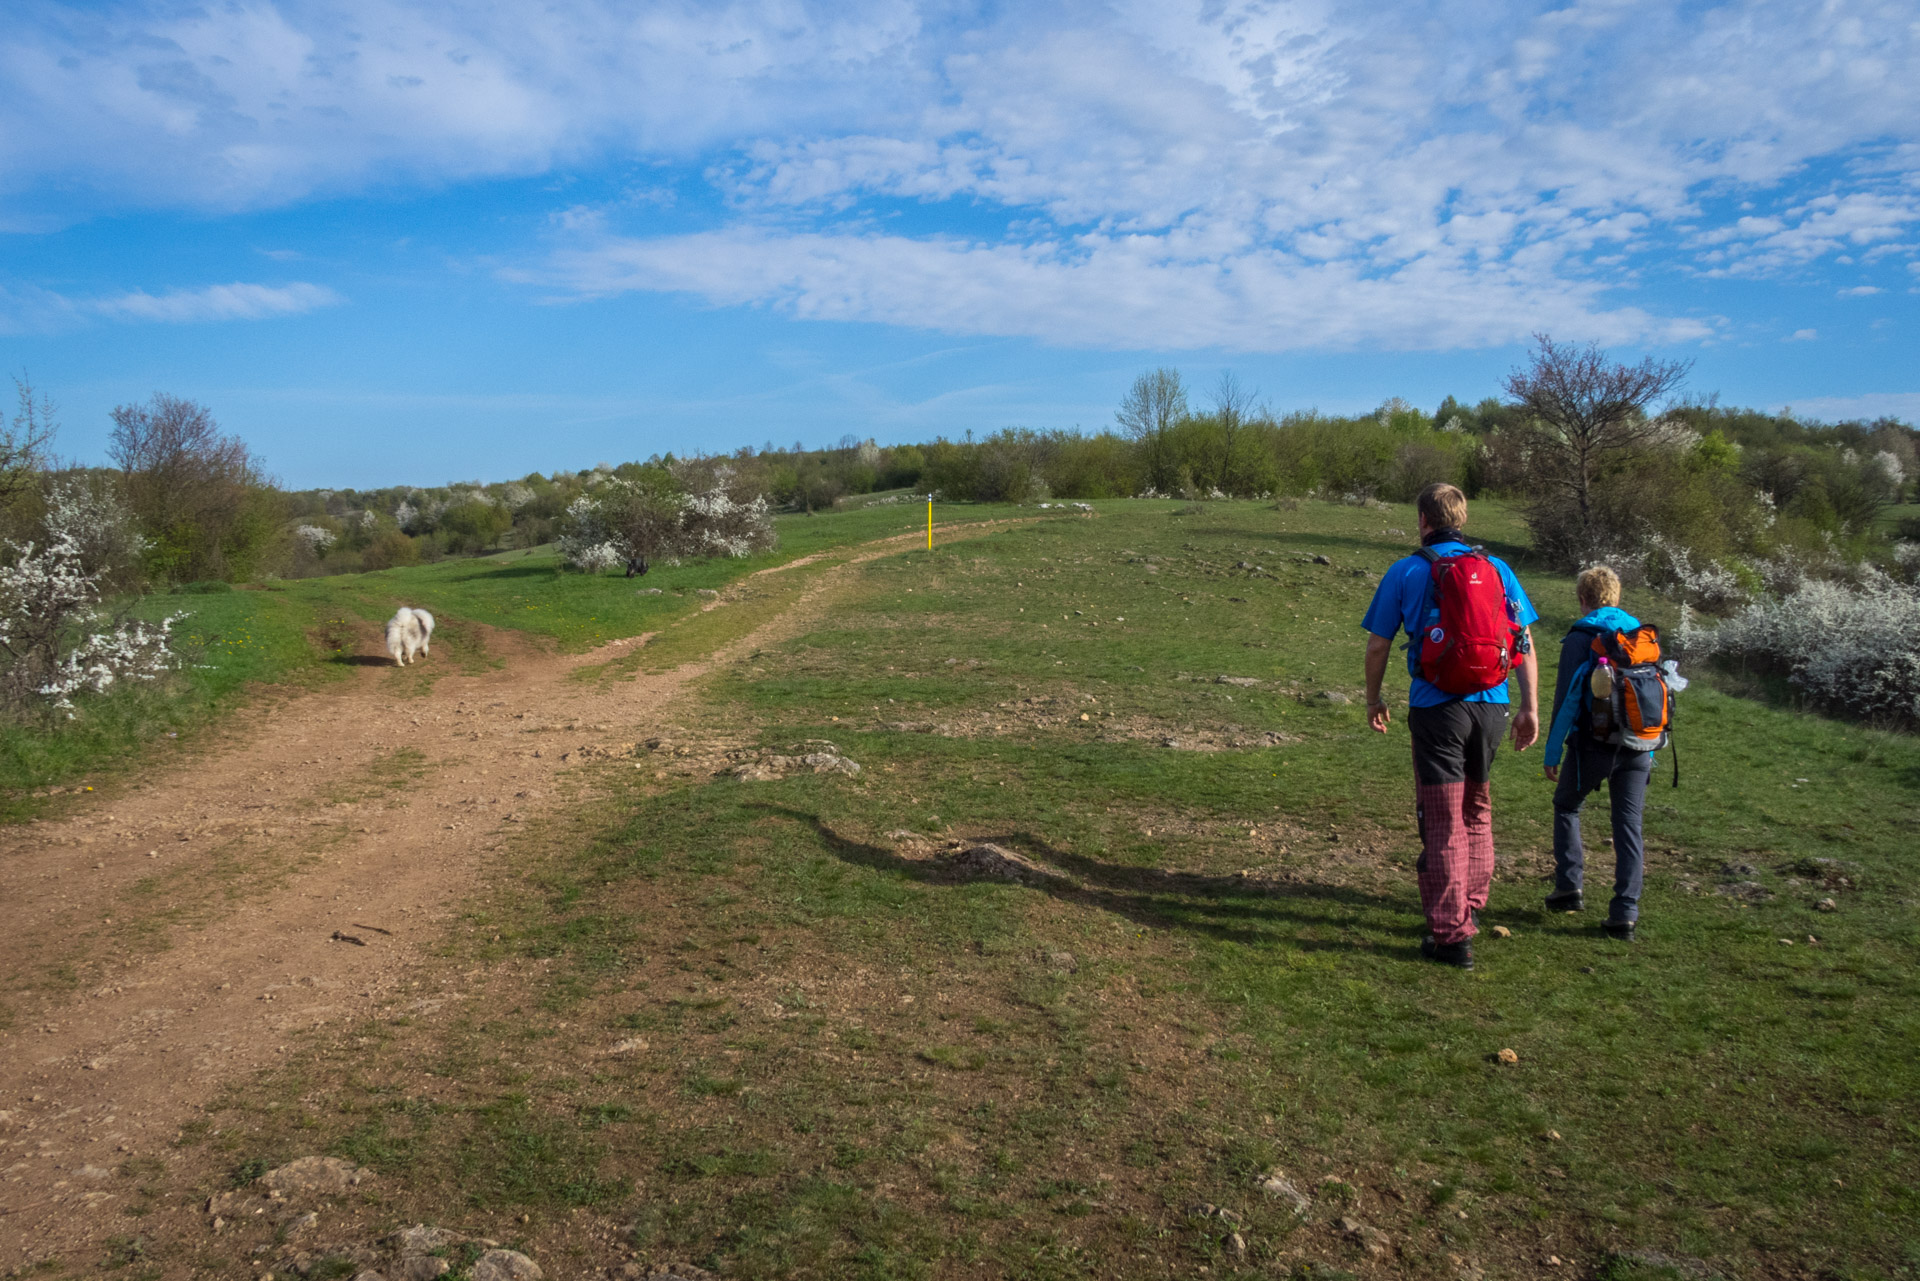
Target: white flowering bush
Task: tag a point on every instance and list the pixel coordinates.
(1853, 648)
(1697, 581)
(56, 640)
(653, 518)
(316, 537)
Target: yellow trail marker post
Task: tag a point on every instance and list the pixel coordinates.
(929, 522)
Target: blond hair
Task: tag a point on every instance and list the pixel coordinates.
(1598, 586)
(1444, 506)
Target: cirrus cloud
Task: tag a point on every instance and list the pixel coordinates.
(46, 311)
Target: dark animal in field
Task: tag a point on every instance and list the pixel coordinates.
(636, 565)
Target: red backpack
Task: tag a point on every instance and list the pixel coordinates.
(1471, 647)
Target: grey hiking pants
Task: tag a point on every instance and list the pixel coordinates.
(1585, 768)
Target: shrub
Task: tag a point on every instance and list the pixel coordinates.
(1854, 650)
(670, 511)
(55, 640)
(201, 498)
(389, 548)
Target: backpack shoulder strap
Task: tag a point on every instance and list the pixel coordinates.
(1429, 555)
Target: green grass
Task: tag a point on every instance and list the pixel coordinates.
(854, 1066)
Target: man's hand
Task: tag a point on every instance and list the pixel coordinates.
(1378, 650)
(1552, 772)
(1526, 725)
(1526, 730)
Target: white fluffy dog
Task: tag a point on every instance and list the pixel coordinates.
(408, 634)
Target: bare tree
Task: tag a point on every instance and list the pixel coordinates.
(1149, 411)
(24, 441)
(1588, 410)
(191, 488)
(1233, 410)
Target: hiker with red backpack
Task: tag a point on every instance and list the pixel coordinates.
(1612, 709)
(1466, 618)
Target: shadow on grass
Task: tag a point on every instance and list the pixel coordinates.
(1229, 908)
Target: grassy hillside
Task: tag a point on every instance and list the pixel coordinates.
(842, 1061)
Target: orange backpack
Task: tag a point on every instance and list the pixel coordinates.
(1642, 709)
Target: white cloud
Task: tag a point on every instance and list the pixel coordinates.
(1104, 291)
(217, 302)
(1241, 173)
(33, 310)
(260, 102)
(1861, 291)
(1802, 335)
(1890, 404)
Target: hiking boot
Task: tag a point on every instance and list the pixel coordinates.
(1460, 954)
(1565, 901)
(1622, 930)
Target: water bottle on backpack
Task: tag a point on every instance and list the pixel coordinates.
(1600, 685)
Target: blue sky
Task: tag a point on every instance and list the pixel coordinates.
(417, 243)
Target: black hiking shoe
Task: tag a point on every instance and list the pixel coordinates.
(1622, 930)
(1460, 954)
(1566, 901)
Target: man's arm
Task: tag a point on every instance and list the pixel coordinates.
(1526, 724)
(1379, 648)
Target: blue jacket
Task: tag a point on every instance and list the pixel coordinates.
(1576, 660)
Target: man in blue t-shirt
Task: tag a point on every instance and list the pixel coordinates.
(1455, 736)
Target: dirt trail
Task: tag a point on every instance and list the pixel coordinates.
(228, 877)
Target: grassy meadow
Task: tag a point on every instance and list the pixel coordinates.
(239, 643)
(751, 1027)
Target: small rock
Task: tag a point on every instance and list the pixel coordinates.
(1323, 560)
(706, 593)
(648, 591)
(994, 862)
(1232, 1218)
(1063, 962)
(316, 1174)
(632, 1045)
(421, 1239)
(94, 1172)
(368, 1274)
(300, 1222)
(1371, 1239)
(1334, 696)
(504, 1265)
(1508, 1056)
(419, 1267)
(1827, 905)
(1236, 1245)
(1244, 682)
(1502, 932)
(1276, 1184)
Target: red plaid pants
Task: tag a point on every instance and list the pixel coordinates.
(1453, 750)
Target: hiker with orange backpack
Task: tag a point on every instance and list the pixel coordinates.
(1466, 618)
(1612, 709)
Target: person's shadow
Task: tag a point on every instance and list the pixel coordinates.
(1237, 908)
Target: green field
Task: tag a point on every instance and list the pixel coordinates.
(854, 1065)
(309, 631)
